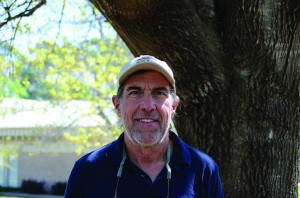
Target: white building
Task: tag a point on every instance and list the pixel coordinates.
(33, 143)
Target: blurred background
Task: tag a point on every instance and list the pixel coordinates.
(58, 67)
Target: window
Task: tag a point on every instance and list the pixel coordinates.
(9, 171)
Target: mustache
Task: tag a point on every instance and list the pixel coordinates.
(150, 115)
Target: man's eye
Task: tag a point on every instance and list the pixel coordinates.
(135, 93)
(160, 93)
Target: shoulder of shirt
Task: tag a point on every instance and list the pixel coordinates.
(96, 156)
(203, 158)
(198, 156)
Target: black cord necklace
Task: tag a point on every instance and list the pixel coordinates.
(124, 156)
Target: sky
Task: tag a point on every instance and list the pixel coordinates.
(75, 20)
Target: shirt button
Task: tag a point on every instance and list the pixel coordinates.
(142, 175)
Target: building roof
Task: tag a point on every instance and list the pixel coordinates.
(42, 126)
(23, 113)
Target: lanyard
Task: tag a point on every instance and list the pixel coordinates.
(124, 156)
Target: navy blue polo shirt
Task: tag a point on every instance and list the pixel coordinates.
(194, 174)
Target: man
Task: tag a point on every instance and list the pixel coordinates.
(147, 160)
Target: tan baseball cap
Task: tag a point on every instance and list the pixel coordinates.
(146, 62)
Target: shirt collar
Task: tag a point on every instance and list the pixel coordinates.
(180, 155)
(115, 152)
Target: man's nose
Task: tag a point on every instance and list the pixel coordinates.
(148, 103)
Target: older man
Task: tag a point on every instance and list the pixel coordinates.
(147, 160)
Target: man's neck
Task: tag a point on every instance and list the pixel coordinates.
(149, 159)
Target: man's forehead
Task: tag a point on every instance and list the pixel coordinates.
(149, 76)
(137, 87)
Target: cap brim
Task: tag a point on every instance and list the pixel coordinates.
(147, 66)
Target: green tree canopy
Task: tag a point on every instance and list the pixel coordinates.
(73, 54)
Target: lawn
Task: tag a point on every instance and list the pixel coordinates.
(10, 197)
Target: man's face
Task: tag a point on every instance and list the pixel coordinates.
(146, 108)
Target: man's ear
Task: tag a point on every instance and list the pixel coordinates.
(175, 105)
(116, 104)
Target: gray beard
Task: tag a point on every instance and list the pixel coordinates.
(136, 137)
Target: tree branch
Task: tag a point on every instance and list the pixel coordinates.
(27, 12)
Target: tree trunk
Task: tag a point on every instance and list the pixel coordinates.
(237, 75)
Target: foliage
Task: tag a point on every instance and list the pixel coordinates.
(8, 149)
(10, 83)
(71, 72)
(9, 189)
(41, 58)
(65, 66)
(58, 188)
(33, 186)
(12, 87)
(12, 10)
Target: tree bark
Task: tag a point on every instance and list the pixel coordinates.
(236, 66)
